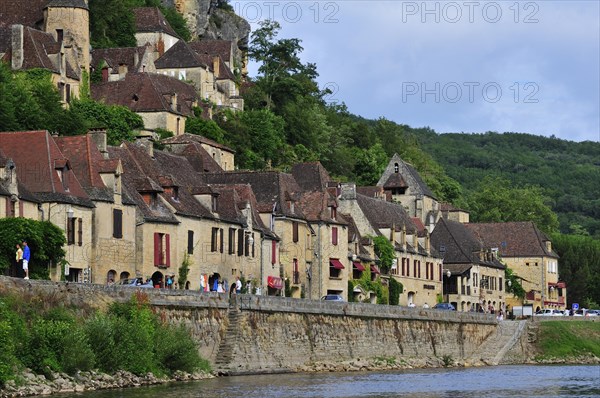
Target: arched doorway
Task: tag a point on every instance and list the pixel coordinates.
(158, 279)
(111, 276)
(411, 299)
(212, 281)
(124, 275)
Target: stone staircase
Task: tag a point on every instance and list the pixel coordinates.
(494, 349)
(228, 345)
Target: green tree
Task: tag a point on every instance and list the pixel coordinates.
(515, 286)
(496, 200)
(385, 251)
(45, 241)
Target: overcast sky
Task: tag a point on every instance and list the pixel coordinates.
(464, 66)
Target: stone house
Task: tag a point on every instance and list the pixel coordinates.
(417, 266)
(45, 172)
(114, 212)
(528, 252)
(151, 27)
(205, 154)
(115, 63)
(476, 279)
(47, 34)
(403, 184)
(162, 102)
(277, 196)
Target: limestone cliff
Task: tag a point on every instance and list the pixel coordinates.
(205, 20)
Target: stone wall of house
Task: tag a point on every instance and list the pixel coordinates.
(275, 333)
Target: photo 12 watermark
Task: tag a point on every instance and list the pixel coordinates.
(469, 11)
(454, 92)
(288, 11)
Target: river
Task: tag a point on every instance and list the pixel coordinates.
(484, 382)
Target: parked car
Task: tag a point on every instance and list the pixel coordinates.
(135, 282)
(444, 306)
(549, 312)
(586, 312)
(332, 297)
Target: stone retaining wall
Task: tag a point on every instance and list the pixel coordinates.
(279, 334)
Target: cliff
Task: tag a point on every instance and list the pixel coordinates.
(206, 20)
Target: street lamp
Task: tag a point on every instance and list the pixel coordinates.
(448, 274)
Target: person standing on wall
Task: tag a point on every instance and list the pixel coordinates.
(19, 258)
(26, 257)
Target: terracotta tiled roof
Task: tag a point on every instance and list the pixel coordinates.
(151, 19)
(181, 55)
(372, 192)
(316, 206)
(37, 157)
(200, 160)
(421, 231)
(513, 239)
(119, 56)
(28, 13)
(147, 92)
(382, 214)
(311, 176)
(270, 188)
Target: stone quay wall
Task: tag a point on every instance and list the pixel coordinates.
(272, 334)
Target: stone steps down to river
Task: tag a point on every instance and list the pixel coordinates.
(227, 347)
(496, 346)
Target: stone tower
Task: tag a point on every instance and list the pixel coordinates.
(69, 22)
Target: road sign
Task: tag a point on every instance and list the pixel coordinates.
(575, 306)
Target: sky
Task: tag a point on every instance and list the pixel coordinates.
(455, 66)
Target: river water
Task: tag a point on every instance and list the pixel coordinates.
(484, 382)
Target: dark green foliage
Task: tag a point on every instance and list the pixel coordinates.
(206, 128)
(385, 251)
(46, 338)
(579, 267)
(45, 241)
(396, 289)
(515, 284)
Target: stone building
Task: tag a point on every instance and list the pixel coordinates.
(204, 154)
(152, 28)
(528, 252)
(473, 276)
(115, 63)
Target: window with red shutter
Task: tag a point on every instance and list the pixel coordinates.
(157, 248)
(334, 236)
(167, 250)
(273, 252)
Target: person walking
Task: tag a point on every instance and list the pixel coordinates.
(19, 258)
(26, 258)
(238, 285)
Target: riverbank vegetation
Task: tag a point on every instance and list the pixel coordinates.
(49, 338)
(567, 340)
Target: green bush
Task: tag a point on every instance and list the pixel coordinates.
(101, 330)
(175, 350)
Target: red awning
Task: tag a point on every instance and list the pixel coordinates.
(275, 282)
(375, 269)
(335, 263)
(358, 266)
(561, 285)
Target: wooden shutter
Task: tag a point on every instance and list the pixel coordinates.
(80, 231)
(117, 223)
(253, 243)
(20, 208)
(240, 242)
(231, 240)
(70, 231)
(168, 250)
(334, 236)
(157, 249)
(221, 240)
(273, 252)
(440, 269)
(295, 231)
(213, 239)
(190, 245)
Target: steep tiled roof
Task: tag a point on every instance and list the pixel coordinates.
(151, 19)
(181, 55)
(200, 160)
(213, 47)
(459, 245)
(272, 189)
(68, 4)
(395, 181)
(382, 214)
(135, 162)
(147, 92)
(28, 13)
(37, 157)
(311, 176)
(316, 206)
(372, 192)
(119, 56)
(187, 138)
(513, 239)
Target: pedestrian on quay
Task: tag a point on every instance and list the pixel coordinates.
(19, 257)
(26, 258)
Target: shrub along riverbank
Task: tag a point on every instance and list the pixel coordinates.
(568, 340)
(50, 339)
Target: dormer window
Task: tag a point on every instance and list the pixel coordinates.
(214, 203)
(333, 213)
(396, 168)
(175, 194)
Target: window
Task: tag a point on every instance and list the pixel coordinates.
(253, 241)
(273, 252)
(79, 232)
(214, 203)
(295, 231)
(415, 272)
(334, 236)
(500, 284)
(240, 242)
(396, 168)
(440, 270)
(117, 223)
(246, 245)
(426, 270)
(221, 240)
(213, 240)
(333, 213)
(70, 231)
(190, 245)
(231, 241)
(162, 250)
(296, 272)
(335, 268)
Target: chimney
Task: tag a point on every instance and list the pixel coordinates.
(136, 60)
(147, 144)
(348, 191)
(216, 66)
(17, 47)
(427, 243)
(98, 135)
(403, 237)
(122, 71)
(416, 242)
(174, 102)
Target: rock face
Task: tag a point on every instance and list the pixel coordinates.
(205, 20)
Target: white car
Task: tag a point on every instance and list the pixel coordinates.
(585, 312)
(549, 312)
